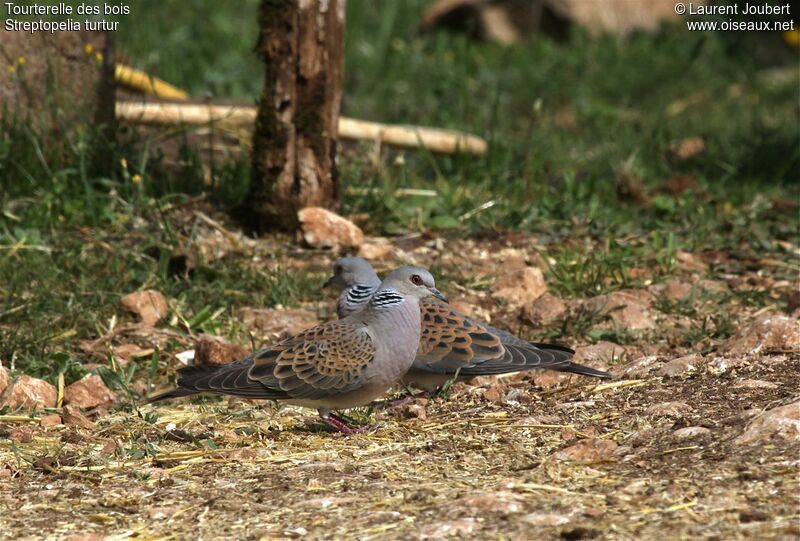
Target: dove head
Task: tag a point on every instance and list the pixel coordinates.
(413, 282)
(349, 271)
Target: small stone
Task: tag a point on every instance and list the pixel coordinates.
(781, 423)
(3, 378)
(150, 305)
(690, 433)
(638, 368)
(89, 392)
(544, 519)
(548, 379)
(30, 393)
(501, 502)
(755, 384)
(520, 287)
(275, 322)
(109, 447)
(669, 409)
(569, 434)
(243, 453)
(22, 434)
(545, 310)
(690, 262)
(629, 309)
(461, 527)
(512, 258)
(680, 366)
(324, 229)
(51, 420)
(518, 396)
(599, 355)
(160, 513)
(685, 149)
(720, 365)
(673, 290)
(769, 333)
(214, 351)
(72, 416)
(376, 252)
(644, 436)
(623, 451)
(494, 394)
(589, 451)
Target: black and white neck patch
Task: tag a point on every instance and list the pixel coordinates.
(359, 294)
(386, 298)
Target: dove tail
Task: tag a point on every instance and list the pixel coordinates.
(174, 393)
(576, 368)
(188, 379)
(563, 353)
(229, 379)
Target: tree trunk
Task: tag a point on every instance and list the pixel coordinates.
(58, 85)
(294, 142)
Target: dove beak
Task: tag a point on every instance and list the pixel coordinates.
(438, 294)
(329, 281)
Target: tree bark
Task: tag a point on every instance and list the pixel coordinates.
(59, 84)
(294, 143)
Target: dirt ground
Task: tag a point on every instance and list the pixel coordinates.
(688, 441)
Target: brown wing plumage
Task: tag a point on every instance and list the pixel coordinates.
(329, 358)
(451, 341)
(325, 360)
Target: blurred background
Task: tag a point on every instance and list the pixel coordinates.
(584, 117)
(613, 142)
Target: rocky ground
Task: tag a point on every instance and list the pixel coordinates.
(697, 435)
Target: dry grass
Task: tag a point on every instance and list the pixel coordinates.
(484, 469)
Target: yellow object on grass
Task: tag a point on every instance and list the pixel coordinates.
(792, 38)
(147, 84)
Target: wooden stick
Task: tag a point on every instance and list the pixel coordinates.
(433, 139)
(147, 84)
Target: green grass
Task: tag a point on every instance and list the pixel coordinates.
(568, 123)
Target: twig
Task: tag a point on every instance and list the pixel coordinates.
(147, 84)
(620, 384)
(432, 139)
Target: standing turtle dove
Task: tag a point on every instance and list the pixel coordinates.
(452, 343)
(336, 365)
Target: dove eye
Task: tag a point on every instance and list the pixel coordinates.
(416, 279)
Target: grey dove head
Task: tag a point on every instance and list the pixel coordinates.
(412, 281)
(349, 271)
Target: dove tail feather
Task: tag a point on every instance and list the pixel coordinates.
(227, 379)
(576, 368)
(174, 393)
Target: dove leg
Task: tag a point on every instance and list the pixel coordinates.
(338, 423)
